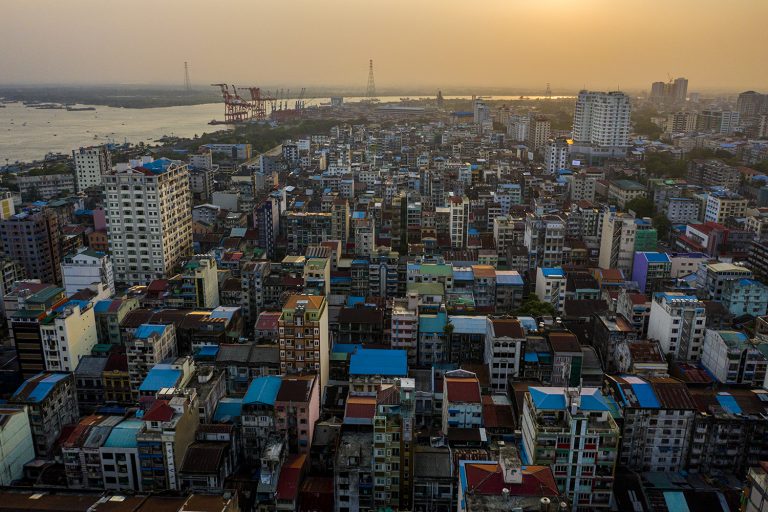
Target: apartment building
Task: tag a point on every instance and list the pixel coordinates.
(148, 221)
(544, 238)
(51, 404)
(574, 432)
(551, 287)
(462, 405)
(658, 424)
(149, 345)
(677, 322)
(617, 242)
(304, 336)
(68, 333)
(721, 206)
(91, 163)
(16, 446)
(504, 351)
(33, 238)
(297, 409)
(87, 269)
(732, 358)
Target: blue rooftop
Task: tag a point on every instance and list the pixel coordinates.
(208, 351)
(728, 403)
(43, 387)
(158, 166)
(553, 398)
(355, 299)
(656, 257)
(227, 409)
(552, 272)
(468, 324)
(123, 435)
(346, 348)
(263, 390)
(159, 377)
(463, 275)
(102, 306)
(371, 361)
(358, 215)
(144, 331)
(433, 323)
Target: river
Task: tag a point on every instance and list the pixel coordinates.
(29, 134)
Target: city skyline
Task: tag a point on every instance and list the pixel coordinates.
(596, 45)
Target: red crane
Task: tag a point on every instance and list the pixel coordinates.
(236, 109)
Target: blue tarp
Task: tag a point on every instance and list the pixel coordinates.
(728, 402)
(646, 396)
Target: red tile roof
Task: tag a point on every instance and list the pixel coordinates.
(463, 390)
(160, 411)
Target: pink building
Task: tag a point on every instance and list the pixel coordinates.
(297, 409)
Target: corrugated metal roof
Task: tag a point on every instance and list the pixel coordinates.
(369, 361)
(124, 434)
(263, 390)
(159, 378)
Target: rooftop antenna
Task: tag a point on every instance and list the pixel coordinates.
(187, 83)
(370, 90)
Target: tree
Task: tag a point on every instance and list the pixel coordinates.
(662, 225)
(642, 206)
(534, 307)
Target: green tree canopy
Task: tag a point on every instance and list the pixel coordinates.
(642, 206)
(662, 225)
(534, 307)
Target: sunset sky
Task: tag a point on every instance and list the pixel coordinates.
(600, 44)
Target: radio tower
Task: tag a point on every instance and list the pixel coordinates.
(548, 92)
(187, 83)
(370, 91)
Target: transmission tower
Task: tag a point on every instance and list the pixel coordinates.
(548, 92)
(187, 83)
(370, 91)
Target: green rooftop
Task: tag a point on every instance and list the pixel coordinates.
(426, 288)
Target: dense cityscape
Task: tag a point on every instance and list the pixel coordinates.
(433, 305)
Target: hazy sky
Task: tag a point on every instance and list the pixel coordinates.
(716, 44)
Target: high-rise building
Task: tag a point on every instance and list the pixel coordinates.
(32, 238)
(658, 422)
(573, 431)
(90, 165)
(149, 220)
(556, 154)
(679, 90)
(617, 243)
(601, 120)
(751, 104)
(538, 132)
(677, 323)
(304, 341)
(544, 238)
(481, 112)
(459, 218)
